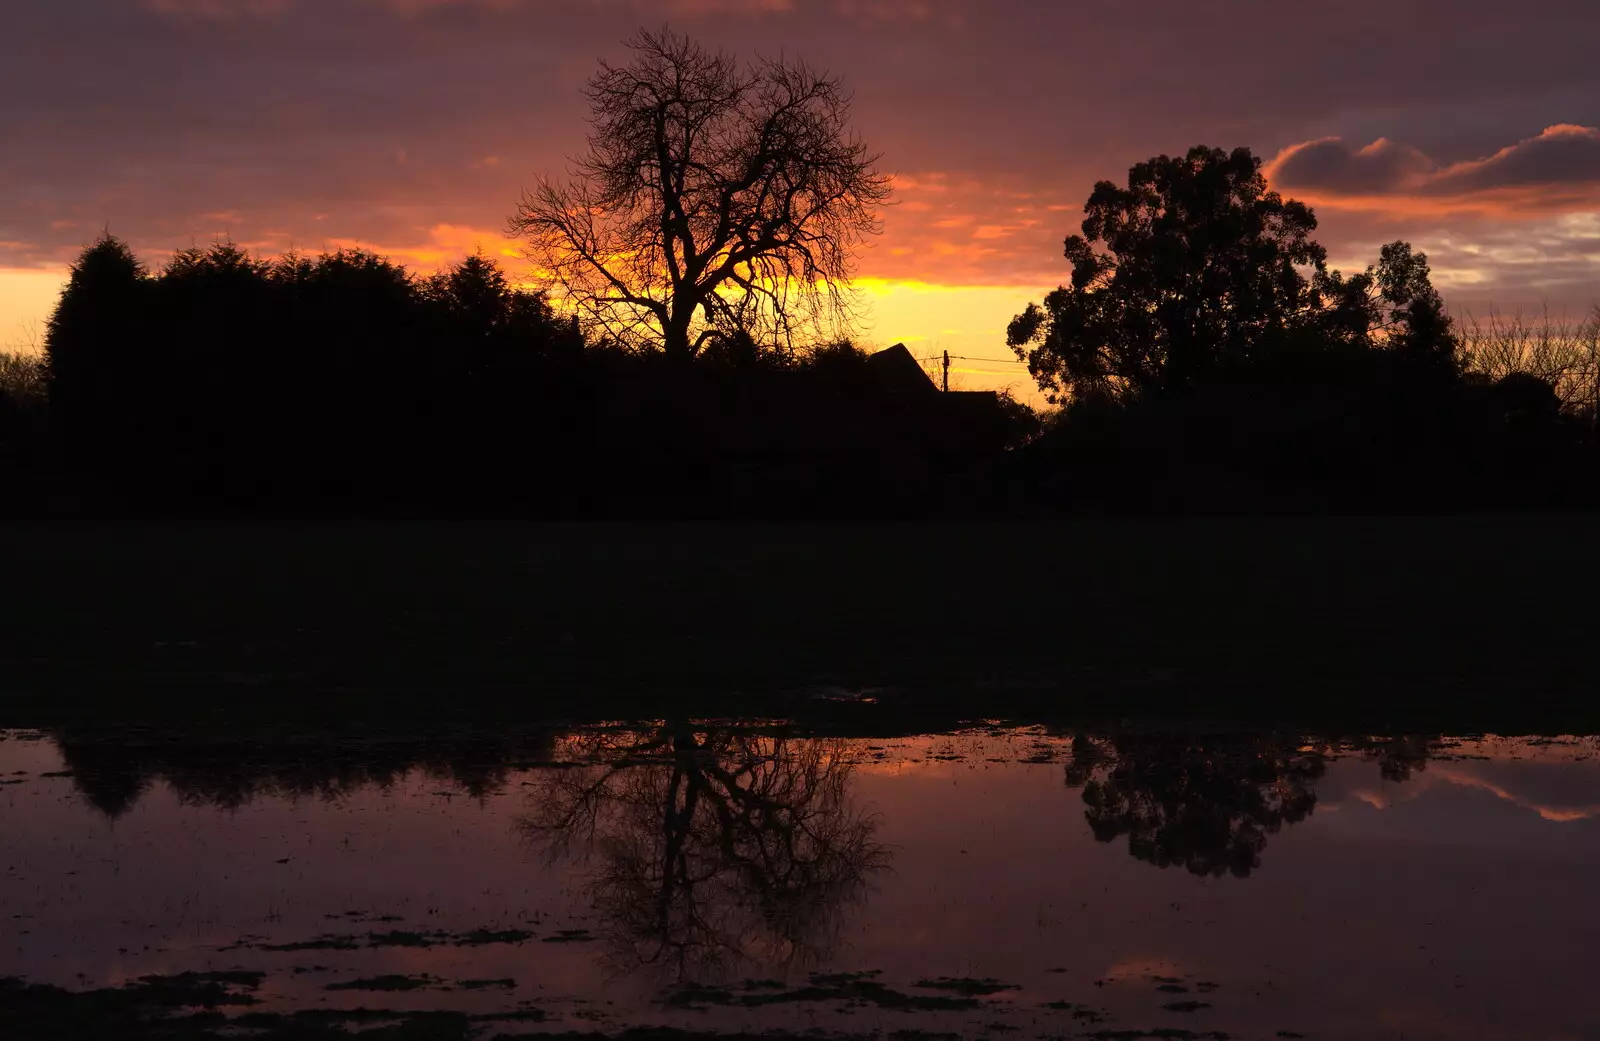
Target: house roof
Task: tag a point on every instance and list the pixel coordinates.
(899, 373)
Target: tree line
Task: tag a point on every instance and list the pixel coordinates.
(687, 351)
(226, 381)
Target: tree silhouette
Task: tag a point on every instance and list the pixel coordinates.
(96, 357)
(474, 295)
(716, 197)
(1196, 274)
(1207, 803)
(226, 378)
(709, 848)
(497, 329)
(213, 396)
(1189, 267)
(1209, 358)
(1392, 306)
(22, 403)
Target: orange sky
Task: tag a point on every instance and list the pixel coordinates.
(967, 321)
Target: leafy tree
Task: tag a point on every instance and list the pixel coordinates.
(474, 295)
(208, 300)
(361, 296)
(716, 197)
(361, 311)
(219, 350)
(488, 319)
(1191, 267)
(1395, 306)
(95, 354)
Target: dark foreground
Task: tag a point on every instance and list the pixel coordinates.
(1464, 623)
(49, 1014)
(183, 1008)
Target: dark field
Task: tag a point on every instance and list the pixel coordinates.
(1465, 623)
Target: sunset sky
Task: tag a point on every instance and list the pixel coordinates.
(411, 126)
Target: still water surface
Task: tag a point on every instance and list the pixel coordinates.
(997, 882)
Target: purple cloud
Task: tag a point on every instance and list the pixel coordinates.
(1564, 155)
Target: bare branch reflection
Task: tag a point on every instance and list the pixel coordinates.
(710, 848)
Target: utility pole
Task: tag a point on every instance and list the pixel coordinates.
(947, 372)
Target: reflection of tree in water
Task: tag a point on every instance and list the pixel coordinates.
(1206, 803)
(710, 848)
(1209, 802)
(1402, 757)
(112, 770)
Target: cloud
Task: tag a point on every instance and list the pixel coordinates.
(218, 9)
(958, 228)
(438, 247)
(1333, 166)
(1557, 170)
(1562, 155)
(865, 10)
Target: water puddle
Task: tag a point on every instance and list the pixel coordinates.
(993, 882)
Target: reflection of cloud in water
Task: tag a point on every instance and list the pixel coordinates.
(1536, 775)
(1466, 777)
(1377, 800)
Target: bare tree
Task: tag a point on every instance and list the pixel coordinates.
(1563, 353)
(22, 377)
(717, 198)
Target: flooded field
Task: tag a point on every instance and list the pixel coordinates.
(991, 882)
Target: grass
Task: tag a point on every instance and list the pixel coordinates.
(1465, 623)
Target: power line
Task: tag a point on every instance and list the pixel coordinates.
(934, 359)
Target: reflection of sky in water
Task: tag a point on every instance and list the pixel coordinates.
(1456, 903)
